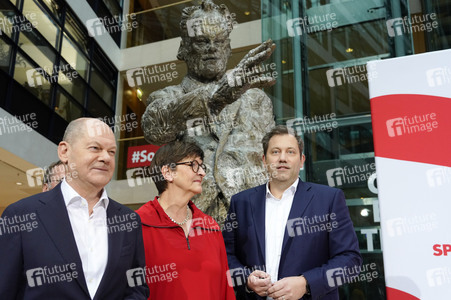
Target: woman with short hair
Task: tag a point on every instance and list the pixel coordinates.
(185, 252)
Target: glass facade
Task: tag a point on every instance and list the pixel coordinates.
(322, 93)
(157, 21)
(51, 66)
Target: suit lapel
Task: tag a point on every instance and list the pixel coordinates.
(114, 248)
(55, 219)
(301, 200)
(258, 204)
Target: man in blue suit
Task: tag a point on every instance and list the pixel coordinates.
(289, 239)
(74, 242)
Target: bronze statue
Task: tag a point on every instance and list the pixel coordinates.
(225, 113)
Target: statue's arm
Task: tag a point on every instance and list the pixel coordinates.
(169, 109)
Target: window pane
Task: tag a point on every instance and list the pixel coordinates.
(157, 21)
(4, 82)
(326, 47)
(32, 79)
(347, 98)
(110, 21)
(77, 31)
(7, 17)
(113, 6)
(32, 44)
(5, 55)
(74, 57)
(101, 62)
(66, 74)
(23, 102)
(56, 7)
(75, 86)
(356, 139)
(45, 25)
(101, 86)
(97, 108)
(348, 147)
(66, 108)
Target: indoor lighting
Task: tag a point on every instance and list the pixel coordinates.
(139, 94)
(247, 13)
(19, 183)
(365, 212)
(349, 50)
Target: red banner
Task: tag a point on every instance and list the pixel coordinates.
(140, 156)
(412, 128)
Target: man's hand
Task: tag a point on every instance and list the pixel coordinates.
(288, 288)
(259, 282)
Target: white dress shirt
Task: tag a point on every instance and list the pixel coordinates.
(90, 232)
(276, 216)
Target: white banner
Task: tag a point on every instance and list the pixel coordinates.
(411, 114)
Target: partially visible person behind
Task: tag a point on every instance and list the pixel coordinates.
(66, 243)
(184, 248)
(292, 239)
(53, 175)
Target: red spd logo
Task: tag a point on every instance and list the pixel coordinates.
(440, 250)
(140, 156)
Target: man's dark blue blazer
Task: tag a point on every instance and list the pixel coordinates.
(310, 252)
(51, 242)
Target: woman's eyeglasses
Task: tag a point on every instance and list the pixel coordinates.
(194, 165)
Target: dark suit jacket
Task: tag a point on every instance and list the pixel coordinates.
(308, 247)
(39, 255)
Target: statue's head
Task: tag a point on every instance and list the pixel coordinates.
(205, 45)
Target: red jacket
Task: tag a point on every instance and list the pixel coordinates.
(178, 267)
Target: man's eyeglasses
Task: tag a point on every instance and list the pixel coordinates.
(194, 165)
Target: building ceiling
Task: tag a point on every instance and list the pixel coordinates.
(12, 171)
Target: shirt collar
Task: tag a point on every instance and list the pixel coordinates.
(70, 195)
(292, 188)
